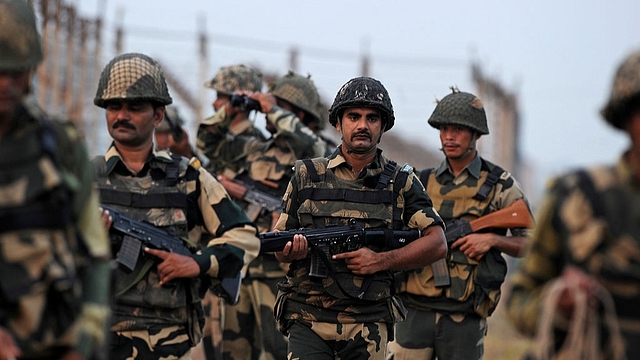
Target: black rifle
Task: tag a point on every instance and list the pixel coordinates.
(335, 240)
(257, 199)
(136, 233)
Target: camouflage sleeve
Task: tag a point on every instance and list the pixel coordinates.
(221, 146)
(418, 207)
(542, 262)
(235, 243)
(302, 140)
(289, 217)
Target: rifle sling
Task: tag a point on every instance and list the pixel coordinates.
(143, 271)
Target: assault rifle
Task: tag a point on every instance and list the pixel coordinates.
(516, 215)
(257, 199)
(135, 234)
(337, 239)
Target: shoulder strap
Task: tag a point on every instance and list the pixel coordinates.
(385, 175)
(492, 179)
(424, 176)
(173, 170)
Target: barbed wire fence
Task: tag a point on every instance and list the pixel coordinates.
(73, 46)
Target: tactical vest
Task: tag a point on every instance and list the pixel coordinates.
(475, 285)
(325, 200)
(613, 255)
(162, 201)
(39, 252)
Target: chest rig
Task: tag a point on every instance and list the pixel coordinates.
(326, 200)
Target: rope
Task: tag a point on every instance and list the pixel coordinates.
(583, 335)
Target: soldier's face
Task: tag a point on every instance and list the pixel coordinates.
(131, 123)
(220, 101)
(13, 86)
(361, 129)
(455, 140)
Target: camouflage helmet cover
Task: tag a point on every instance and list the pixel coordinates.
(624, 91)
(20, 44)
(363, 92)
(460, 108)
(132, 76)
(236, 78)
(299, 91)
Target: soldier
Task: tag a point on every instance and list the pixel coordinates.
(291, 108)
(157, 310)
(587, 243)
(228, 81)
(350, 314)
(54, 254)
(171, 135)
(450, 321)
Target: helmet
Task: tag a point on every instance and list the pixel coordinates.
(363, 92)
(299, 91)
(236, 78)
(20, 45)
(460, 108)
(625, 90)
(133, 77)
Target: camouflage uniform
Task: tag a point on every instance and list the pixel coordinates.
(54, 253)
(227, 81)
(337, 316)
(150, 320)
(450, 322)
(589, 219)
(267, 167)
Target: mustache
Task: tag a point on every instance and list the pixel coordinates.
(124, 124)
(361, 133)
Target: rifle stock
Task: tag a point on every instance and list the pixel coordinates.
(516, 215)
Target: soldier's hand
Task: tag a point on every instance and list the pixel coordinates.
(475, 245)
(296, 250)
(363, 261)
(8, 348)
(174, 265)
(580, 282)
(266, 100)
(107, 220)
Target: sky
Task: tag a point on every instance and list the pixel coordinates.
(558, 57)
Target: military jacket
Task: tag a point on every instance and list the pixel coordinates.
(475, 285)
(266, 165)
(51, 235)
(588, 219)
(401, 203)
(178, 195)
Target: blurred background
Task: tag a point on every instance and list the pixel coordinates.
(542, 69)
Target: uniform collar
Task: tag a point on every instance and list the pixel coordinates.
(113, 157)
(473, 168)
(337, 159)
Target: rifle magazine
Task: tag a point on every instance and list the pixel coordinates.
(129, 252)
(440, 273)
